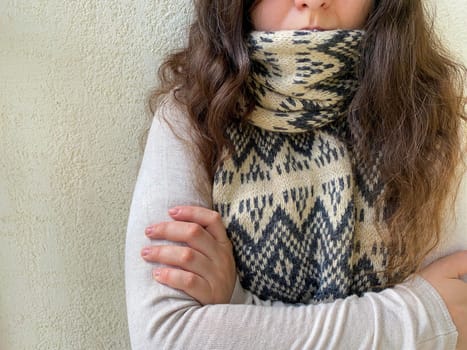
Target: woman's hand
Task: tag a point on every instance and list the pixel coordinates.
(445, 276)
(205, 268)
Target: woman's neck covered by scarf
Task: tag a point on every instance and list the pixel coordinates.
(302, 79)
(298, 208)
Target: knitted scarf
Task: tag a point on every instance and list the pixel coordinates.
(298, 209)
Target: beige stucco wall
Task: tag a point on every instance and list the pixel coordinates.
(73, 80)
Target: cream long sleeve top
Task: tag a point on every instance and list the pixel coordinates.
(411, 315)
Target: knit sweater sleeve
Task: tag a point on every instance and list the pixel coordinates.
(410, 316)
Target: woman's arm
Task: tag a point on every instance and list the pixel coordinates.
(409, 316)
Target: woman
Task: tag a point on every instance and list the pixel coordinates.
(403, 316)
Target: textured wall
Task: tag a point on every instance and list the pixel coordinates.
(450, 20)
(73, 80)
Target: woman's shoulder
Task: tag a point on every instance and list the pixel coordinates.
(172, 135)
(170, 109)
(171, 115)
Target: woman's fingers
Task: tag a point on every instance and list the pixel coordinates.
(183, 257)
(207, 266)
(451, 266)
(186, 281)
(444, 275)
(207, 218)
(184, 232)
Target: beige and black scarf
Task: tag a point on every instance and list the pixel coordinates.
(298, 208)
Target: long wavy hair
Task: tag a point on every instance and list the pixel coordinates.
(408, 110)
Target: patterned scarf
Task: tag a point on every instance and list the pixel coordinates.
(298, 209)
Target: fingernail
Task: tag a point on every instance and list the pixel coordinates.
(174, 211)
(146, 251)
(156, 273)
(149, 230)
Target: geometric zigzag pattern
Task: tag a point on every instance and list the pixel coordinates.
(298, 209)
(294, 240)
(302, 79)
